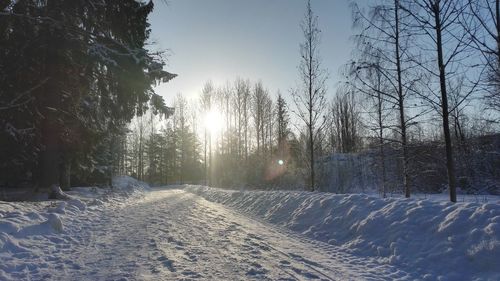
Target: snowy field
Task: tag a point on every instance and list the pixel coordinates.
(200, 233)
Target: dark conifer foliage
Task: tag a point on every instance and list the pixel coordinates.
(72, 75)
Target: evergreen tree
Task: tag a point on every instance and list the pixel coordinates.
(73, 75)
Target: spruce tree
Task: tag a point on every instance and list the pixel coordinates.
(73, 74)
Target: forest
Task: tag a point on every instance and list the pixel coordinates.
(418, 109)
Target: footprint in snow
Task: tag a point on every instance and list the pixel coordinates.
(191, 274)
(253, 236)
(257, 270)
(167, 263)
(306, 274)
(284, 262)
(232, 227)
(190, 256)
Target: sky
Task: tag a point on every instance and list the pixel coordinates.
(220, 40)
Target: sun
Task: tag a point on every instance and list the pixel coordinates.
(213, 121)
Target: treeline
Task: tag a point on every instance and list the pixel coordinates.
(72, 75)
(417, 111)
(183, 149)
(427, 65)
(230, 135)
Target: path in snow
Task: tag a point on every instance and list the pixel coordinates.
(175, 235)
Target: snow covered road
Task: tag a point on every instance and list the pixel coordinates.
(176, 235)
(202, 233)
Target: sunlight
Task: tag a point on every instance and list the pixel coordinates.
(213, 121)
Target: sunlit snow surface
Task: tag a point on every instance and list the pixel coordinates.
(430, 239)
(43, 240)
(174, 234)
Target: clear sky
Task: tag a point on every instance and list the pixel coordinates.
(220, 40)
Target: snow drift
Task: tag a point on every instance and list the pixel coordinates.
(435, 240)
(25, 227)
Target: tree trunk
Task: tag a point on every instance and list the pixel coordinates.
(65, 173)
(205, 157)
(381, 137)
(49, 155)
(311, 127)
(210, 160)
(444, 106)
(404, 142)
(497, 21)
(311, 152)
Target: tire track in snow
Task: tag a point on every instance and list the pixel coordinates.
(175, 235)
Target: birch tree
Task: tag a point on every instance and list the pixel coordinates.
(445, 41)
(383, 49)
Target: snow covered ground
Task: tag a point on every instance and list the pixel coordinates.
(428, 239)
(39, 240)
(135, 233)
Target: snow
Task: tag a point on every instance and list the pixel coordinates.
(132, 232)
(30, 232)
(431, 239)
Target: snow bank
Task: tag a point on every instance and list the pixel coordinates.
(25, 227)
(434, 240)
(129, 187)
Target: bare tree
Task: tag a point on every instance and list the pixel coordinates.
(258, 108)
(282, 121)
(269, 125)
(226, 93)
(246, 118)
(438, 22)
(151, 151)
(141, 128)
(309, 98)
(375, 85)
(240, 89)
(344, 113)
(383, 48)
(206, 106)
(485, 32)
(179, 117)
